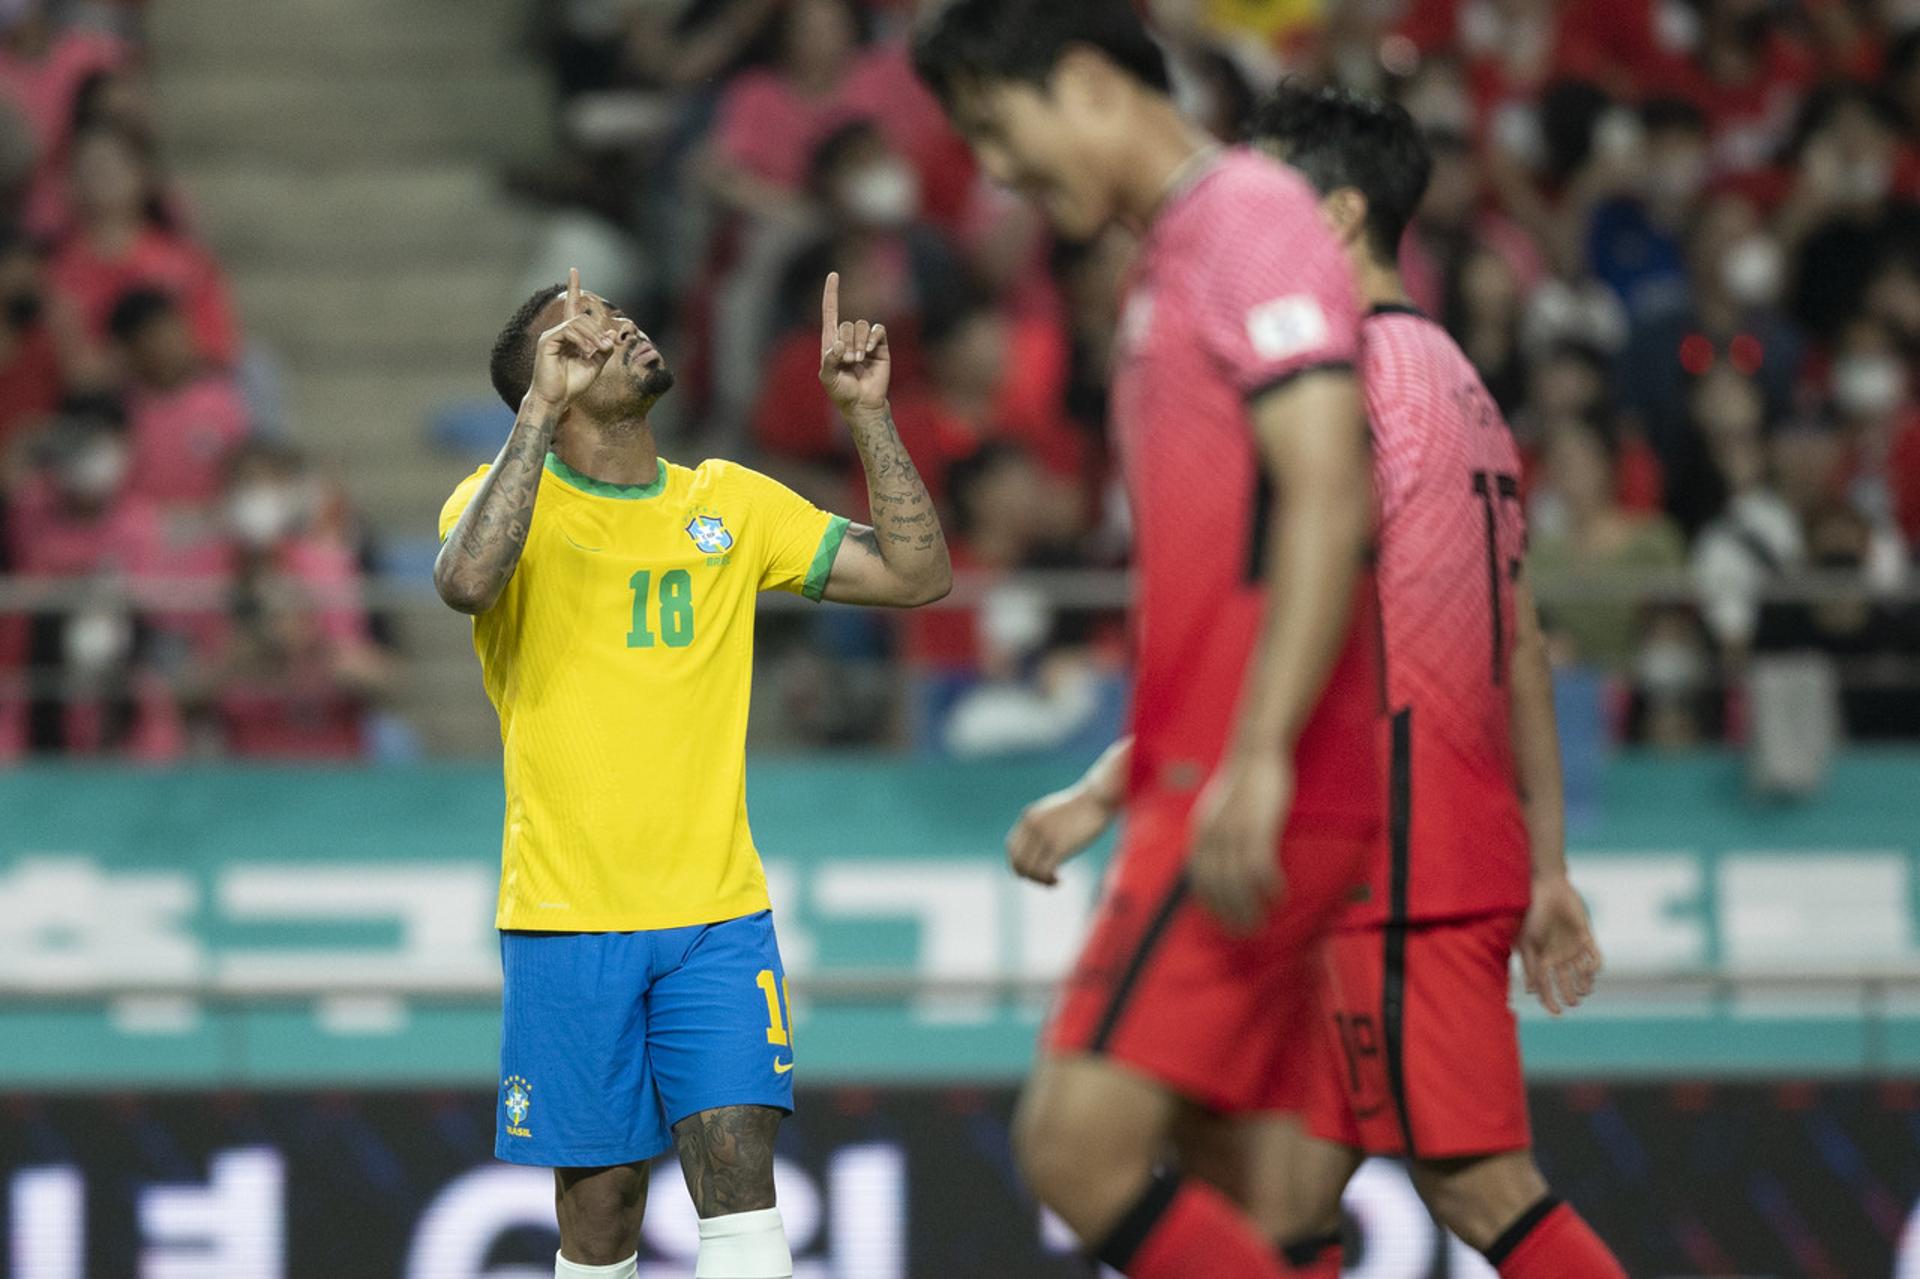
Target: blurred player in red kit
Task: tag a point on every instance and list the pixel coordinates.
(1421, 1053)
(1256, 699)
(1419, 1057)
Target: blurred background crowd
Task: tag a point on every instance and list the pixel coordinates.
(1679, 238)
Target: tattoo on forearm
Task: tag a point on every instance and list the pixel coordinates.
(727, 1157)
(493, 531)
(899, 500)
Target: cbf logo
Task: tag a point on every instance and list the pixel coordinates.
(710, 534)
(519, 1098)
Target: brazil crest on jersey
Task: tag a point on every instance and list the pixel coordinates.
(620, 658)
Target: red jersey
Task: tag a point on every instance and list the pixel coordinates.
(1238, 286)
(1451, 536)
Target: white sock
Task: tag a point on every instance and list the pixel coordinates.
(744, 1245)
(564, 1269)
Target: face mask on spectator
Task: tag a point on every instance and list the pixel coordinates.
(96, 640)
(883, 194)
(96, 470)
(1867, 385)
(1668, 667)
(261, 514)
(1751, 270)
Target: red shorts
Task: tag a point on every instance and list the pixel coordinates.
(1160, 986)
(1420, 1051)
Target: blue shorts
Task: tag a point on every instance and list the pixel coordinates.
(609, 1039)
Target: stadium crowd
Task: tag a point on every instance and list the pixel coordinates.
(186, 584)
(1679, 238)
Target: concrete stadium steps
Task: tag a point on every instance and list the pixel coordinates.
(444, 215)
(328, 116)
(358, 35)
(438, 322)
(341, 155)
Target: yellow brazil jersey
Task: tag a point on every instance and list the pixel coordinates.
(620, 659)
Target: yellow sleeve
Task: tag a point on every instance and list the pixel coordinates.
(798, 540)
(456, 505)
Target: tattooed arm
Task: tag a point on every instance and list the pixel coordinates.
(726, 1155)
(484, 548)
(902, 558)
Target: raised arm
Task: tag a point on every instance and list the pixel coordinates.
(1556, 945)
(483, 549)
(1312, 442)
(901, 559)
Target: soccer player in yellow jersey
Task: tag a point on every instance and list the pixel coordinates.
(612, 593)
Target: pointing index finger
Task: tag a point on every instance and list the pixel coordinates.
(573, 293)
(830, 311)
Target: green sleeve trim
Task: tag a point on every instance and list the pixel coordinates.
(815, 586)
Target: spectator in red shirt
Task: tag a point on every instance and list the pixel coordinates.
(184, 416)
(124, 238)
(771, 120)
(92, 686)
(295, 666)
(1871, 393)
(870, 199)
(42, 67)
(1748, 74)
(29, 358)
(121, 98)
(993, 375)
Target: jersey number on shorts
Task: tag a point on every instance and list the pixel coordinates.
(1495, 491)
(775, 989)
(676, 608)
(1358, 1040)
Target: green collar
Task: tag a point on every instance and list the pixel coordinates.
(600, 488)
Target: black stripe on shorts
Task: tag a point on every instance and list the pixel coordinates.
(1149, 941)
(1393, 989)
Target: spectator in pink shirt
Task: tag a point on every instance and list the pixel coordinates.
(184, 415)
(91, 686)
(124, 238)
(296, 665)
(770, 121)
(118, 97)
(29, 355)
(42, 68)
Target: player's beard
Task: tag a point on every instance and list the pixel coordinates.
(646, 387)
(656, 382)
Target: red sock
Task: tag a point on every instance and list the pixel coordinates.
(1552, 1241)
(1317, 1258)
(1186, 1230)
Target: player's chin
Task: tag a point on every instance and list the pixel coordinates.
(654, 382)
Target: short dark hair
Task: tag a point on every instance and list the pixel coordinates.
(136, 309)
(511, 365)
(1338, 138)
(1667, 114)
(984, 41)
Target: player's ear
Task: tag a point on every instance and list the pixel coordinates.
(1346, 212)
(1084, 80)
